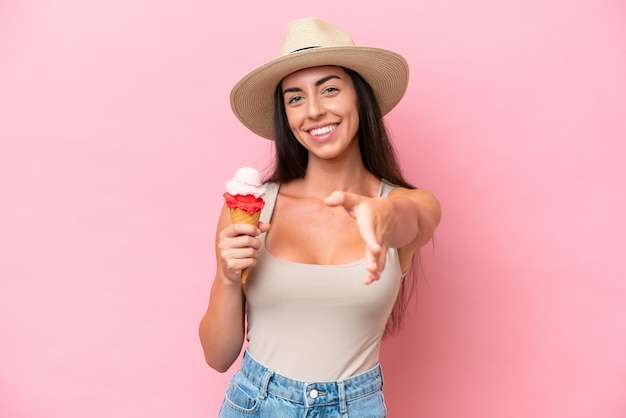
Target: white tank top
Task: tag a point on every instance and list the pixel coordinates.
(315, 322)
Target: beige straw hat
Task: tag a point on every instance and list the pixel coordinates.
(312, 42)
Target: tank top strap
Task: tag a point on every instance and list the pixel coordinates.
(270, 201)
(385, 188)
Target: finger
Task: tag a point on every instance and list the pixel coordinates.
(348, 200)
(335, 199)
(228, 245)
(246, 254)
(236, 259)
(371, 267)
(246, 241)
(375, 264)
(263, 227)
(367, 228)
(382, 260)
(242, 229)
(370, 261)
(371, 277)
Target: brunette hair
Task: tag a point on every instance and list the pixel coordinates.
(377, 153)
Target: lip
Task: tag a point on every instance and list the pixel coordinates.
(324, 137)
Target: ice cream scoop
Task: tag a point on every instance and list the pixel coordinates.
(247, 181)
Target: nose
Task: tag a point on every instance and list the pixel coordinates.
(314, 107)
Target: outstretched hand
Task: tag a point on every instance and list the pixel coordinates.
(372, 218)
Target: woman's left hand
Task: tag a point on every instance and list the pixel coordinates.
(374, 220)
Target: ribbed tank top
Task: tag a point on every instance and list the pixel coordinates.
(315, 322)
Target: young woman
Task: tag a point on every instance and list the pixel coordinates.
(327, 277)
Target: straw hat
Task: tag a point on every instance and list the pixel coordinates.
(312, 42)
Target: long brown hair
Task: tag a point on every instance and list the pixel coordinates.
(377, 153)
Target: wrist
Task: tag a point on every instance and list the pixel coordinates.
(230, 282)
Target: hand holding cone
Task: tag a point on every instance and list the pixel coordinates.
(241, 216)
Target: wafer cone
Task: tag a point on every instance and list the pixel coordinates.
(241, 216)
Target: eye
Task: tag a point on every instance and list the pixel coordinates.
(294, 99)
(330, 90)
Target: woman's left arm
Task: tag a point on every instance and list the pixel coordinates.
(407, 218)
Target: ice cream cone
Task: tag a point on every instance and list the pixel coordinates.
(241, 216)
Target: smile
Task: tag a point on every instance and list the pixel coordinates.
(323, 130)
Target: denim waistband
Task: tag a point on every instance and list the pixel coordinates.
(313, 393)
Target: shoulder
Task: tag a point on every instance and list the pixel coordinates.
(419, 193)
(424, 199)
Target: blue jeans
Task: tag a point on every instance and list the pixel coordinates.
(256, 391)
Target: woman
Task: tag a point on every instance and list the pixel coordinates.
(314, 308)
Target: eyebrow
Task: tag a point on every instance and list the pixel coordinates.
(317, 83)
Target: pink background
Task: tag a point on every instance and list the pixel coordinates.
(117, 137)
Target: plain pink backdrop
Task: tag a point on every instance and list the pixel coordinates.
(117, 137)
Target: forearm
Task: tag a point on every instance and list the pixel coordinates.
(426, 229)
(405, 225)
(416, 214)
(222, 327)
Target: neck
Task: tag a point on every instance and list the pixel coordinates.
(324, 177)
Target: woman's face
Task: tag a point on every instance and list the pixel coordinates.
(322, 112)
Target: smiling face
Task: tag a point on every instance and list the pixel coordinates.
(321, 109)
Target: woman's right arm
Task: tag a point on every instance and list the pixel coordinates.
(222, 328)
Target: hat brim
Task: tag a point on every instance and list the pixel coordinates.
(252, 98)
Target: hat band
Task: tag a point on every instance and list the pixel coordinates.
(302, 49)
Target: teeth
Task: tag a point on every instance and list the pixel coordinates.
(322, 131)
